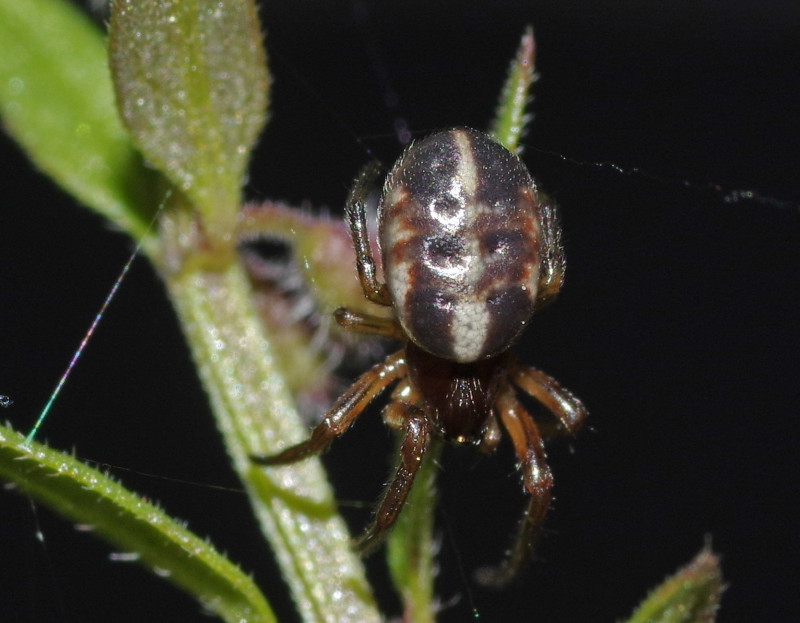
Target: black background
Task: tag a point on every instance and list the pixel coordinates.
(677, 325)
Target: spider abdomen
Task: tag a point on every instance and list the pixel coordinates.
(460, 239)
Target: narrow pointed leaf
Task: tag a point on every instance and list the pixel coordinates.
(692, 595)
(57, 101)
(132, 524)
(511, 120)
(191, 81)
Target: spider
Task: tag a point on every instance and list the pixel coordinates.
(470, 248)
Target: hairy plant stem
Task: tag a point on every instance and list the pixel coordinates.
(256, 414)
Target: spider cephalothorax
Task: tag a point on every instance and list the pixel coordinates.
(470, 248)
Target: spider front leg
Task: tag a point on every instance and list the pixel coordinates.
(561, 402)
(537, 480)
(357, 219)
(416, 441)
(343, 412)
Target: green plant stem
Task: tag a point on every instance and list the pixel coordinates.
(411, 550)
(255, 414)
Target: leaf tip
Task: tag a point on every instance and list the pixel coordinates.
(691, 595)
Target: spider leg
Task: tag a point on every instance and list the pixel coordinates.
(537, 480)
(367, 323)
(415, 443)
(557, 399)
(357, 219)
(343, 412)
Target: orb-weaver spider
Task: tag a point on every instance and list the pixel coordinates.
(470, 249)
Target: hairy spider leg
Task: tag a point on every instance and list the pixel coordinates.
(343, 412)
(416, 442)
(368, 323)
(357, 219)
(537, 480)
(557, 399)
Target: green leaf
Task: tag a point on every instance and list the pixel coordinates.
(191, 81)
(57, 101)
(131, 523)
(510, 122)
(692, 595)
